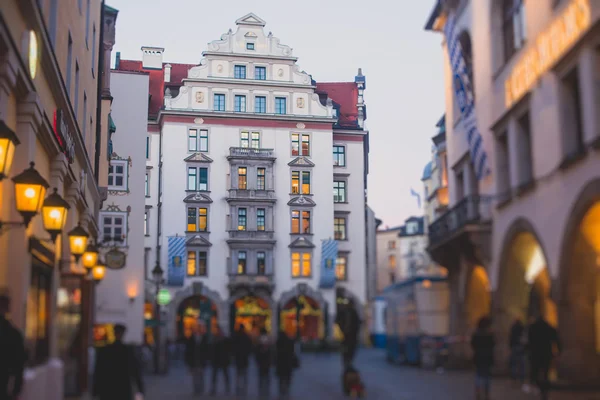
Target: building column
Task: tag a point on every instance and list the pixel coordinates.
(588, 77)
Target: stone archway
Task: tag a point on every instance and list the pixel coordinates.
(302, 289)
(523, 277)
(196, 289)
(580, 289)
(478, 301)
(263, 295)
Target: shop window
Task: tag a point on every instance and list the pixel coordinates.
(37, 335)
(341, 268)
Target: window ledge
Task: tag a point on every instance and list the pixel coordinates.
(147, 235)
(197, 191)
(340, 202)
(148, 196)
(572, 158)
(302, 277)
(206, 232)
(301, 194)
(301, 234)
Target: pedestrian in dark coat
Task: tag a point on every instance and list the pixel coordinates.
(517, 351)
(117, 368)
(542, 339)
(286, 362)
(242, 347)
(483, 344)
(12, 355)
(221, 358)
(264, 354)
(196, 356)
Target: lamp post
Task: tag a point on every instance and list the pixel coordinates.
(157, 279)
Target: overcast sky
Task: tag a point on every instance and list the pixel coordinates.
(332, 39)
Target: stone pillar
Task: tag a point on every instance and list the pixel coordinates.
(588, 76)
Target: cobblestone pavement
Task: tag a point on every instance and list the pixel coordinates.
(319, 379)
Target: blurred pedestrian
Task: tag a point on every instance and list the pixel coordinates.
(483, 344)
(286, 362)
(12, 355)
(517, 351)
(264, 354)
(116, 369)
(542, 339)
(242, 347)
(196, 356)
(221, 358)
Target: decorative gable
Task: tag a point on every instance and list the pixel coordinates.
(197, 198)
(251, 19)
(302, 201)
(301, 162)
(197, 241)
(199, 158)
(302, 243)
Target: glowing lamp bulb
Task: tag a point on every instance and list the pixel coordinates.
(30, 193)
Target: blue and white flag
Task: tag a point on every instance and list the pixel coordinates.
(417, 195)
(176, 263)
(463, 89)
(329, 253)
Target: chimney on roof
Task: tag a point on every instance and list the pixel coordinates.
(152, 57)
(168, 73)
(118, 60)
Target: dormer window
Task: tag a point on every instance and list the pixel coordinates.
(239, 72)
(249, 46)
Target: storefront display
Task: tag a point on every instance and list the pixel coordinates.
(311, 320)
(192, 311)
(251, 312)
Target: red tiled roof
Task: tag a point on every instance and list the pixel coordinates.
(346, 95)
(157, 80)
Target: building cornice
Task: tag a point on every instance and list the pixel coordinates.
(219, 55)
(357, 132)
(291, 118)
(250, 82)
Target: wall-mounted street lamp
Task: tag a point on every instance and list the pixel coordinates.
(77, 241)
(30, 190)
(90, 256)
(54, 214)
(99, 271)
(8, 142)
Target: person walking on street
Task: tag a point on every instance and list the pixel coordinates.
(196, 355)
(242, 347)
(542, 339)
(116, 369)
(483, 344)
(517, 351)
(286, 362)
(12, 355)
(264, 353)
(221, 357)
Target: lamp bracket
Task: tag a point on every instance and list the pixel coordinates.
(5, 226)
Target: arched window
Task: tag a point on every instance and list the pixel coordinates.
(513, 26)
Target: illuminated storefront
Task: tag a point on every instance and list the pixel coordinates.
(312, 326)
(251, 312)
(194, 310)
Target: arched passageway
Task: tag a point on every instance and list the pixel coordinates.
(194, 310)
(478, 300)
(304, 313)
(251, 312)
(580, 294)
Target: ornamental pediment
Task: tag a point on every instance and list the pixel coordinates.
(301, 162)
(199, 158)
(197, 198)
(302, 201)
(302, 243)
(197, 241)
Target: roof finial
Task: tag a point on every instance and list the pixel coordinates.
(360, 72)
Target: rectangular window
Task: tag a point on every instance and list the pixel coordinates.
(242, 178)
(249, 46)
(192, 140)
(241, 269)
(37, 326)
(295, 182)
(255, 144)
(525, 158)
(76, 99)
(93, 48)
(242, 220)
(280, 105)
(69, 61)
(341, 272)
(146, 223)
(84, 125)
(298, 150)
(53, 20)
(245, 140)
(239, 103)
(203, 219)
(191, 263)
(192, 178)
(295, 265)
(305, 221)
(147, 147)
(306, 265)
(147, 186)
(250, 140)
(87, 24)
(295, 221)
(219, 100)
(260, 219)
(339, 156)
(392, 244)
(117, 175)
(113, 227)
(239, 72)
(261, 264)
(339, 228)
(305, 182)
(260, 73)
(339, 191)
(260, 104)
(260, 179)
(203, 263)
(203, 179)
(572, 114)
(191, 219)
(203, 145)
(80, 6)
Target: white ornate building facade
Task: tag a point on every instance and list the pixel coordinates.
(243, 151)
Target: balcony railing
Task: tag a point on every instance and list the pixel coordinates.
(470, 210)
(259, 235)
(251, 194)
(249, 152)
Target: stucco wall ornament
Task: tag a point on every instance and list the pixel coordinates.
(300, 125)
(219, 68)
(199, 97)
(300, 102)
(280, 72)
(198, 121)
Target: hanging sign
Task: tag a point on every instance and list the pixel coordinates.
(164, 297)
(329, 252)
(63, 135)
